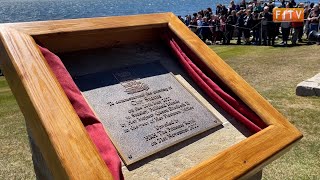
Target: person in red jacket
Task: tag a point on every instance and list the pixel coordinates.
(298, 28)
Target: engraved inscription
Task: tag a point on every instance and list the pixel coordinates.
(144, 114)
(158, 113)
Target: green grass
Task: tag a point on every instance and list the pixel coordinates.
(15, 157)
(273, 71)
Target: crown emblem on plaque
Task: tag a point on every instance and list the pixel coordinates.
(130, 82)
(134, 86)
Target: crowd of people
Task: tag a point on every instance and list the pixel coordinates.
(251, 22)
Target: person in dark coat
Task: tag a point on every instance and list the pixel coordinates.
(223, 29)
(243, 4)
(231, 22)
(218, 9)
(231, 7)
(240, 25)
(205, 32)
(256, 28)
(292, 4)
(214, 26)
(224, 11)
(248, 21)
(267, 26)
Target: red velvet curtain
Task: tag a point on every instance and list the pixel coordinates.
(224, 98)
(200, 73)
(93, 126)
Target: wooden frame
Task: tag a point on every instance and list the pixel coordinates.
(68, 152)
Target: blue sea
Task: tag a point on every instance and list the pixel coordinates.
(35, 10)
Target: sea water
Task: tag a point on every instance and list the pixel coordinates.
(35, 10)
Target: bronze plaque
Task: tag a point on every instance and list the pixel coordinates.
(144, 109)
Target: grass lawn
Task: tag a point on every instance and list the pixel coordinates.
(273, 71)
(15, 157)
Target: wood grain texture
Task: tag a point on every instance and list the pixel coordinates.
(90, 33)
(84, 40)
(253, 152)
(68, 151)
(57, 130)
(86, 24)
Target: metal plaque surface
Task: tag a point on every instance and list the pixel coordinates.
(144, 109)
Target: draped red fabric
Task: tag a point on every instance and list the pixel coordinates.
(201, 74)
(237, 104)
(212, 76)
(231, 105)
(93, 126)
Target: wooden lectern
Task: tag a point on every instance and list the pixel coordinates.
(62, 140)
